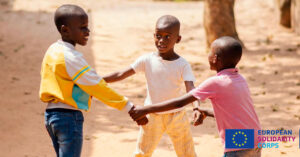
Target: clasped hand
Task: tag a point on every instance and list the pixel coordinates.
(138, 115)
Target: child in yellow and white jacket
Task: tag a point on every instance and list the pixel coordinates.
(68, 83)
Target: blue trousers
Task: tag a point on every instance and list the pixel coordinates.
(65, 129)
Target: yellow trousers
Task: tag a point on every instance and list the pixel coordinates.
(176, 125)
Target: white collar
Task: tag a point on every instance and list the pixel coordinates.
(66, 44)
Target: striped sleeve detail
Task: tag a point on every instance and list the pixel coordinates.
(79, 73)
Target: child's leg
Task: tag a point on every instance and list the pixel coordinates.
(178, 128)
(65, 129)
(51, 133)
(149, 136)
(244, 153)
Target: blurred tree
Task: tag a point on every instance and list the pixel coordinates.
(219, 20)
(289, 13)
(284, 11)
(295, 16)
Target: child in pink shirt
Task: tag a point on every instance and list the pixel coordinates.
(228, 92)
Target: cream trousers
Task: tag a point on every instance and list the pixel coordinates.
(176, 125)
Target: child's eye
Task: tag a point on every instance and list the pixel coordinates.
(167, 37)
(84, 28)
(158, 36)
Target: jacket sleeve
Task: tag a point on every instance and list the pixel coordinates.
(90, 82)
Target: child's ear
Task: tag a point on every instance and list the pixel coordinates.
(64, 30)
(215, 58)
(178, 39)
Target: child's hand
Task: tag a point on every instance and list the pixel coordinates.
(142, 121)
(137, 113)
(207, 112)
(199, 116)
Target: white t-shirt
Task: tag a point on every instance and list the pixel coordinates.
(164, 78)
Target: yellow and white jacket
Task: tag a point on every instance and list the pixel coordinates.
(67, 79)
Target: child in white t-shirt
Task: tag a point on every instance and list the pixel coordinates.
(165, 72)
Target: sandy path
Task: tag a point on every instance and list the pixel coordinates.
(122, 31)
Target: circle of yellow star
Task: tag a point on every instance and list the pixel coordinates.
(243, 135)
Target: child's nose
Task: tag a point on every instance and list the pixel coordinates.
(87, 31)
(162, 40)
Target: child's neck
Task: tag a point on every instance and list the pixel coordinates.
(170, 56)
(223, 68)
(68, 41)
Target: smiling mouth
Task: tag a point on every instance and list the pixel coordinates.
(162, 46)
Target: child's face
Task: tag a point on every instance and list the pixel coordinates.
(78, 30)
(165, 39)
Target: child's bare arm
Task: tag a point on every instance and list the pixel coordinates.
(118, 76)
(207, 112)
(189, 85)
(198, 116)
(140, 112)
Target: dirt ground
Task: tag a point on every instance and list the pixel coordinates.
(121, 31)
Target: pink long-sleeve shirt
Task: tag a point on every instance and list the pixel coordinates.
(231, 101)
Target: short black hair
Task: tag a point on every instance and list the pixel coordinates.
(229, 50)
(65, 12)
(168, 21)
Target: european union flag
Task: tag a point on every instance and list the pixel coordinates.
(239, 138)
